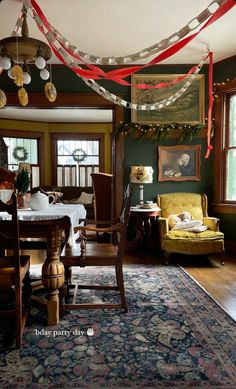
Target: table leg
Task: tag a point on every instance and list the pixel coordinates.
(53, 274)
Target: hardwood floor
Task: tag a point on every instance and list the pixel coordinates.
(219, 281)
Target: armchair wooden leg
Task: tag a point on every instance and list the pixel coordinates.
(222, 259)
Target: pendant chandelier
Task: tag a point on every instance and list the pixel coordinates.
(17, 53)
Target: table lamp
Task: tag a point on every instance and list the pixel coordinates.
(141, 175)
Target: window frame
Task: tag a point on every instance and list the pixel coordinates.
(223, 92)
(39, 136)
(75, 136)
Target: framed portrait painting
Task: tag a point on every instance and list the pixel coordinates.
(189, 108)
(179, 163)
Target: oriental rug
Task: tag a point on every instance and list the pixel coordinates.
(174, 336)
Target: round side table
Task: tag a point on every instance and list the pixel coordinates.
(143, 227)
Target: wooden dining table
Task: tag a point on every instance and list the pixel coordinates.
(51, 225)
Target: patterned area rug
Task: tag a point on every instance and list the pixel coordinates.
(174, 336)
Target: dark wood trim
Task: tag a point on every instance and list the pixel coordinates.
(224, 208)
(66, 100)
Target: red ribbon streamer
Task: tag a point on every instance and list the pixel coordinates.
(211, 99)
(118, 74)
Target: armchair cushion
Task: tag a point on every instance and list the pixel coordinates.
(185, 234)
(187, 225)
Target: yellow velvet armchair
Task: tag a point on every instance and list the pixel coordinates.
(208, 242)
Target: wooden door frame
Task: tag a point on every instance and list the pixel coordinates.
(90, 101)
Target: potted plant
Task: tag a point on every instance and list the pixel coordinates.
(22, 185)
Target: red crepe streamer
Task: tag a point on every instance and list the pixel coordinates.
(118, 74)
(211, 99)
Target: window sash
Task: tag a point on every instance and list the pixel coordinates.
(223, 195)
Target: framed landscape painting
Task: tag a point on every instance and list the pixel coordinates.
(188, 108)
(179, 163)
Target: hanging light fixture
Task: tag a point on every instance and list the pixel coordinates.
(17, 53)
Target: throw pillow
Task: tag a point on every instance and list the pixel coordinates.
(86, 198)
(173, 220)
(198, 229)
(188, 225)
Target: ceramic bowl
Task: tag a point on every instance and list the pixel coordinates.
(5, 194)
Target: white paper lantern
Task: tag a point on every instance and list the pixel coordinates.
(40, 62)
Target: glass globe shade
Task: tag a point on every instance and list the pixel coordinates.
(44, 74)
(9, 73)
(27, 78)
(5, 62)
(40, 62)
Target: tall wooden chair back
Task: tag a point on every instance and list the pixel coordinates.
(14, 269)
(103, 198)
(98, 254)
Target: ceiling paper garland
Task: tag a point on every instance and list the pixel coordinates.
(117, 75)
(171, 45)
(146, 52)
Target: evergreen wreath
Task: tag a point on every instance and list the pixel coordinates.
(20, 153)
(79, 155)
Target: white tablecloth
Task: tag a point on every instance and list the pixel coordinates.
(55, 211)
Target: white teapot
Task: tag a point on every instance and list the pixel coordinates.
(40, 202)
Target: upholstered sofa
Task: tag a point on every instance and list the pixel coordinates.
(72, 195)
(185, 238)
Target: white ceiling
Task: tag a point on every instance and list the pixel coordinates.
(117, 28)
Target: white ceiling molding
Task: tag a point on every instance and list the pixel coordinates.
(58, 115)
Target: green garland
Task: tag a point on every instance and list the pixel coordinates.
(161, 131)
(79, 155)
(20, 153)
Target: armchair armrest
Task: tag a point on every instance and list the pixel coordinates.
(163, 228)
(163, 225)
(211, 222)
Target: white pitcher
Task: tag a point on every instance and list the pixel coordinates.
(40, 202)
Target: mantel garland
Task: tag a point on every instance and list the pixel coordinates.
(20, 153)
(139, 131)
(79, 155)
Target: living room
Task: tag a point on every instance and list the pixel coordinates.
(134, 146)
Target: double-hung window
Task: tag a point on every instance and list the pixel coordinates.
(225, 148)
(75, 157)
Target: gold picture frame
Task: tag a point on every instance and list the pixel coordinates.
(179, 163)
(187, 109)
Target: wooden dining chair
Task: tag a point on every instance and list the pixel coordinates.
(14, 271)
(93, 253)
(103, 198)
